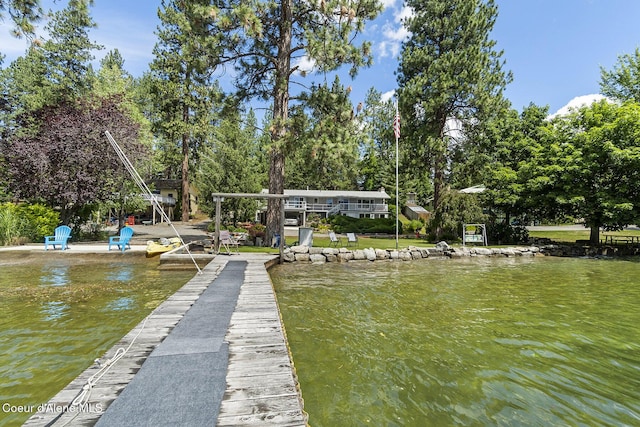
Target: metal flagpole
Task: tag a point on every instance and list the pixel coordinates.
(396, 132)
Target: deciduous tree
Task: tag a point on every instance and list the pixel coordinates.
(68, 163)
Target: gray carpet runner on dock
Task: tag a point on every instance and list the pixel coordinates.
(183, 380)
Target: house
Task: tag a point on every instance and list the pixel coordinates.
(166, 193)
(413, 211)
(357, 204)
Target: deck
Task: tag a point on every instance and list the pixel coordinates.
(214, 353)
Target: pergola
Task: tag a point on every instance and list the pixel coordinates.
(219, 197)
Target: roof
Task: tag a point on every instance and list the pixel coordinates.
(335, 193)
(417, 209)
(474, 189)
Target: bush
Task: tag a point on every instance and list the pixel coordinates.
(502, 233)
(40, 221)
(346, 224)
(413, 226)
(11, 227)
(24, 223)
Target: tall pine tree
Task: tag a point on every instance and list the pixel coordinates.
(450, 77)
(265, 40)
(181, 81)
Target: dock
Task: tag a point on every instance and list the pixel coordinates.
(214, 353)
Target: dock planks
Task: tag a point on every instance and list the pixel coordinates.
(261, 384)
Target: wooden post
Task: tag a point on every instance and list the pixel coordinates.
(217, 233)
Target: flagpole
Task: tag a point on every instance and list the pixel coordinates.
(396, 132)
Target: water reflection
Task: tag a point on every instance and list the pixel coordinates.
(122, 303)
(120, 272)
(54, 310)
(54, 275)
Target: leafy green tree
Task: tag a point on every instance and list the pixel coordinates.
(599, 172)
(515, 139)
(264, 39)
(59, 70)
(377, 165)
(181, 84)
(450, 76)
(623, 81)
(69, 51)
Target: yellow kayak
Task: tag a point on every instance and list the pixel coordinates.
(162, 245)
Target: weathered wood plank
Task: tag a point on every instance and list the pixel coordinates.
(261, 382)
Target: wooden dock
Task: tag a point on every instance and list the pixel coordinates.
(260, 386)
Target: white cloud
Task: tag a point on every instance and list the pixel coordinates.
(576, 103)
(387, 95)
(305, 64)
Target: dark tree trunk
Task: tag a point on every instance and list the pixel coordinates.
(594, 235)
(185, 167)
(280, 116)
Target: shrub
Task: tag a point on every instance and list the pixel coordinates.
(346, 224)
(40, 221)
(11, 226)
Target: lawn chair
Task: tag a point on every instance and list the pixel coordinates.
(122, 240)
(227, 241)
(333, 239)
(352, 240)
(60, 237)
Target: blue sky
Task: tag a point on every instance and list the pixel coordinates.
(553, 47)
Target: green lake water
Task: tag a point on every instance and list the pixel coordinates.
(471, 342)
(61, 311)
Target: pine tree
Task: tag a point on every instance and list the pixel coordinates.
(450, 75)
(181, 81)
(264, 39)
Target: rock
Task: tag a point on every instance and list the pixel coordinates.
(416, 254)
(443, 246)
(331, 257)
(394, 254)
(370, 254)
(382, 254)
(317, 258)
(405, 255)
(329, 251)
(315, 250)
(484, 251)
(345, 256)
(300, 249)
(302, 257)
(288, 257)
(359, 255)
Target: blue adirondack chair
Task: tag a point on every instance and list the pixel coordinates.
(62, 233)
(122, 240)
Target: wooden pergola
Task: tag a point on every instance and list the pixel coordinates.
(219, 197)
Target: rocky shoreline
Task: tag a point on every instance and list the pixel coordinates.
(441, 250)
(444, 250)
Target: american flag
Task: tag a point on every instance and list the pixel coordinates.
(396, 124)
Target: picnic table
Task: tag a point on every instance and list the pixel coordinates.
(616, 239)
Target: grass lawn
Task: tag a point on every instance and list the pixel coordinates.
(404, 242)
(574, 235)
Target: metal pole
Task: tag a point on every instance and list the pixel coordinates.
(397, 197)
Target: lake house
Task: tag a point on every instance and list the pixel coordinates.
(357, 204)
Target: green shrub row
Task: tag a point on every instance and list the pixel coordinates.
(347, 224)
